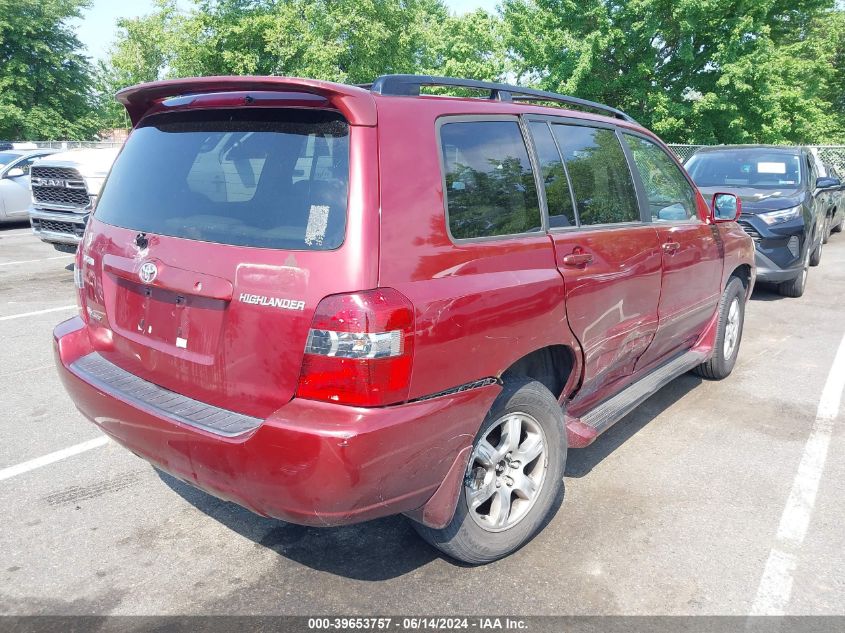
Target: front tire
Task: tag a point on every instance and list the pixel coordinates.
(729, 333)
(795, 287)
(816, 257)
(513, 479)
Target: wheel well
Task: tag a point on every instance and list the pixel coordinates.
(743, 273)
(550, 366)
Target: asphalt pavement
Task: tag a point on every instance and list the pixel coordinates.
(679, 509)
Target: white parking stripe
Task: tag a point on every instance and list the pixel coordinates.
(776, 584)
(38, 462)
(32, 261)
(26, 314)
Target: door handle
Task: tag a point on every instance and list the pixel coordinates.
(671, 247)
(577, 259)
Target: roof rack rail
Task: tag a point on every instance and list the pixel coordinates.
(409, 86)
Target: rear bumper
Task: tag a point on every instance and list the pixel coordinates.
(309, 462)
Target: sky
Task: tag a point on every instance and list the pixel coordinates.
(97, 26)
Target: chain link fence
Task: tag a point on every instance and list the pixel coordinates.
(831, 154)
(73, 144)
(684, 151)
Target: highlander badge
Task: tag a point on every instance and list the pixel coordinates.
(272, 302)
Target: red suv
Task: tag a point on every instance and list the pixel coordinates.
(332, 303)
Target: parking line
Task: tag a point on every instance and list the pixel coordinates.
(32, 261)
(38, 462)
(775, 586)
(26, 314)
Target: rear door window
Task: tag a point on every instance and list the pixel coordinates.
(558, 196)
(490, 188)
(598, 171)
(670, 195)
(247, 177)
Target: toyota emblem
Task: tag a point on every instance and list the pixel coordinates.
(148, 272)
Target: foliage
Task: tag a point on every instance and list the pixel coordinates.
(45, 82)
(695, 71)
(339, 40)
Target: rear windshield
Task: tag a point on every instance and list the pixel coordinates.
(745, 168)
(248, 177)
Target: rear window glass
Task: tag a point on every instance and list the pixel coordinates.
(745, 168)
(248, 177)
(490, 188)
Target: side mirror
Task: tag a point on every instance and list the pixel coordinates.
(15, 172)
(726, 207)
(827, 183)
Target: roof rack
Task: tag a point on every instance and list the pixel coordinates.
(409, 86)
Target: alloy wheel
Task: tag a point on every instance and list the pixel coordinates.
(506, 472)
(732, 330)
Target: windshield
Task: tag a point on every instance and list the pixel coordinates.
(7, 157)
(249, 177)
(745, 168)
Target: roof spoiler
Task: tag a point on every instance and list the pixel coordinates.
(356, 104)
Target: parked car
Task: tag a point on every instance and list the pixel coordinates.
(332, 303)
(784, 205)
(6, 145)
(15, 197)
(836, 201)
(65, 187)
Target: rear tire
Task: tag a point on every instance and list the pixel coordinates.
(505, 500)
(838, 227)
(729, 333)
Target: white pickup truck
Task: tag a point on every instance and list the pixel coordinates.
(65, 187)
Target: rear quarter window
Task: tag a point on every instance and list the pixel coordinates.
(490, 187)
(248, 177)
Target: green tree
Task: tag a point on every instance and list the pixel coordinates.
(697, 71)
(142, 51)
(470, 45)
(829, 32)
(339, 40)
(46, 83)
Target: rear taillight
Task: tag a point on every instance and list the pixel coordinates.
(79, 281)
(360, 349)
